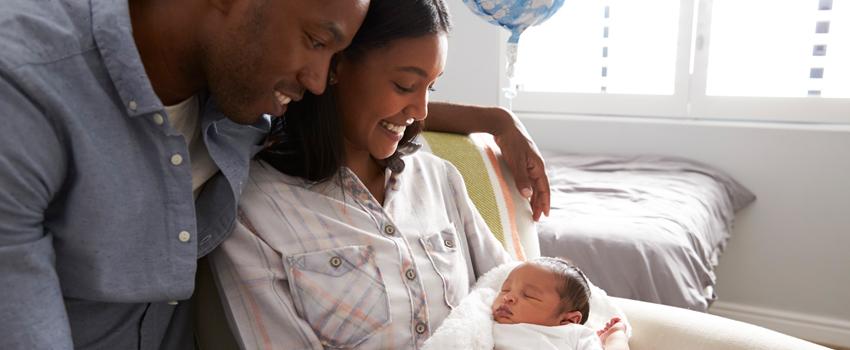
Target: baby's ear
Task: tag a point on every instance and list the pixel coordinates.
(571, 317)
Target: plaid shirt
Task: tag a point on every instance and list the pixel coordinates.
(325, 265)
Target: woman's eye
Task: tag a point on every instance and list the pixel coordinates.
(432, 88)
(402, 88)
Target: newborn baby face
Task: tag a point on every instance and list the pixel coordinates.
(529, 295)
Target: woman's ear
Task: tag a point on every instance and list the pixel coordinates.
(570, 317)
(333, 70)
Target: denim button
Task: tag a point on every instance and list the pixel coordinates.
(184, 236)
(176, 159)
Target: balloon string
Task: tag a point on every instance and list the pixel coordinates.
(511, 90)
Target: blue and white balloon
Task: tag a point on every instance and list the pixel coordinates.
(515, 16)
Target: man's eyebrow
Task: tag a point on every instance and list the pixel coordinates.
(335, 30)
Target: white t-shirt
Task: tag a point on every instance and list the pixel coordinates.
(185, 118)
(532, 336)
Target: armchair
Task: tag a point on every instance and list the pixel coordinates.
(654, 326)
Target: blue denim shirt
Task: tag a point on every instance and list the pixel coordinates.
(95, 207)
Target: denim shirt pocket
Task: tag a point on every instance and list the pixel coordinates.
(340, 293)
(447, 258)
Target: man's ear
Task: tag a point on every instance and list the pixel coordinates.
(224, 6)
(570, 317)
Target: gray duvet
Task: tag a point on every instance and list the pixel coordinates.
(646, 228)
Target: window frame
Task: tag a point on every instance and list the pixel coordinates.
(689, 100)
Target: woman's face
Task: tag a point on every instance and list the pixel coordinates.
(385, 90)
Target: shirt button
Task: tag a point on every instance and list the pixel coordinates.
(389, 229)
(172, 303)
(158, 119)
(176, 159)
(336, 261)
(420, 328)
(410, 274)
(184, 236)
(132, 105)
(449, 243)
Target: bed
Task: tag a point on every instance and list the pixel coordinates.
(646, 227)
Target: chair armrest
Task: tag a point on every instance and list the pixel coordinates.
(661, 327)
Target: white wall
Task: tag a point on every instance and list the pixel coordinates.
(787, 266)
(471, 74)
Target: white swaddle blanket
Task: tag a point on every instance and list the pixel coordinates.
(524, 336)
(470, 324)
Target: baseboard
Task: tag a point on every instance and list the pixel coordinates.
(812, 328)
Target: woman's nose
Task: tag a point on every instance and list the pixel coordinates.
(418, 108)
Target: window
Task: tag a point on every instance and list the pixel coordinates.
(781, 60)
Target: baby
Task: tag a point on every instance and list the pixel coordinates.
(543, 304)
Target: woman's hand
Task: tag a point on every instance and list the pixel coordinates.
(524, 159)
(518, 150)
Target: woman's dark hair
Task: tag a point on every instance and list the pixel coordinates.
(573, 288)
(308, 141)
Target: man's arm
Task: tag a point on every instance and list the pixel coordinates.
(518, 150)
(32, 169)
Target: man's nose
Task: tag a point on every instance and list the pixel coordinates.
(314, 76)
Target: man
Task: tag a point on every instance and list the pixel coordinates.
(127, 131)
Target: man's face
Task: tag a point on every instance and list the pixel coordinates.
(262, 54)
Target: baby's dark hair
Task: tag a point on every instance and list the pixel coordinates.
(573, 289)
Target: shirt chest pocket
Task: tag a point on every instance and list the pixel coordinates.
(447, 257)
(340, 294)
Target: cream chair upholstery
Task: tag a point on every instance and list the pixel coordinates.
(654, 326)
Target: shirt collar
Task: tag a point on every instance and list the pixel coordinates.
(113, 33)
(395, 163)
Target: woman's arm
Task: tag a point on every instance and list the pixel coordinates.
(518, 150)
(256, 294)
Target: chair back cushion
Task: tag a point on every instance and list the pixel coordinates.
(491, 188)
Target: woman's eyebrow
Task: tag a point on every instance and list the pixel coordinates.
(416, 70)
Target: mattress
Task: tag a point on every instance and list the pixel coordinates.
(646, 227)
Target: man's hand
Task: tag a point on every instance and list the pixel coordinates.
(526, 164)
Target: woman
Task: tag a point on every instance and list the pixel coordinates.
(341, 241)
(373, 254)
